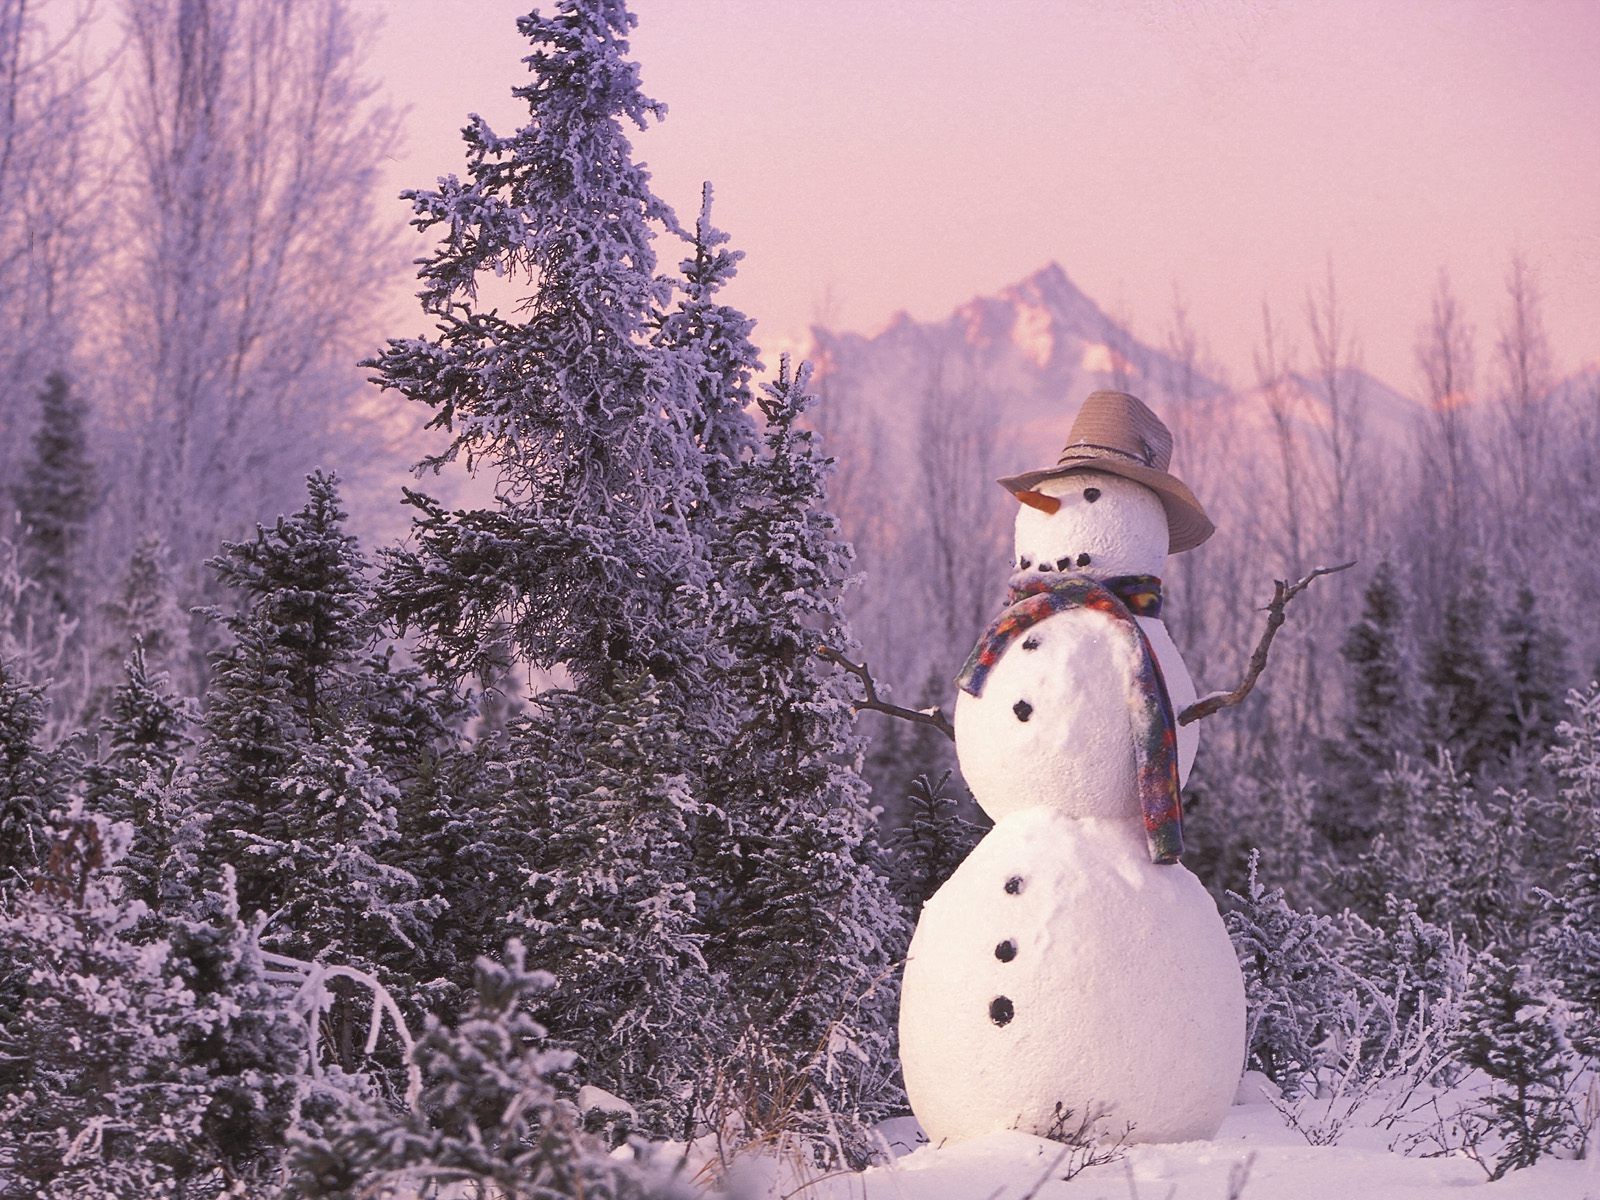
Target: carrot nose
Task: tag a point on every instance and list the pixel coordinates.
(1045, 504)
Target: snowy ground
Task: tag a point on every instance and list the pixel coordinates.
(1254, 1157)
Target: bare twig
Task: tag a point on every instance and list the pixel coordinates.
(872, 702)
(1282, 593)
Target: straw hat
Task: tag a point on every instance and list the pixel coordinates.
(1115, 433)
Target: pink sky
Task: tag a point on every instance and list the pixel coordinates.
(878, 155)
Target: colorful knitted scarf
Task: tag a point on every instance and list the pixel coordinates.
(1155, 728)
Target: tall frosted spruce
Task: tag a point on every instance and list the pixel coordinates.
(676, 837)
(803, 921)
(295, 780)
(586, 558)
(56, 498)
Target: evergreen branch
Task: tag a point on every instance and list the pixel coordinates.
(1282, 593)
(872, 702)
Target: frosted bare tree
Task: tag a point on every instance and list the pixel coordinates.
(1275, 384)
(1336, 356)
(49, 211)
(1522, 399)
(962, 545)
(1203, 582)
(1447, 495)
(253, 260)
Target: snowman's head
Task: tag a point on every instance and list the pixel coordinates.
(1093, 523)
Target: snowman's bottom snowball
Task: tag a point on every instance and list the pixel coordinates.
(1058, 965)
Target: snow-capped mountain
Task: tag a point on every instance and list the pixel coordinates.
(1026, 356)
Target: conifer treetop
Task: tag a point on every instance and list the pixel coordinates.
(588, 421)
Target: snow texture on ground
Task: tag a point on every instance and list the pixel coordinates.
(1274, 1162)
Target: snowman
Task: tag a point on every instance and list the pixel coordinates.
(1071, 964)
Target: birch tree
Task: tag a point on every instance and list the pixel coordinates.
(48, 216)
(252, 259)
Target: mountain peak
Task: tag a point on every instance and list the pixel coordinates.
(1069, 310)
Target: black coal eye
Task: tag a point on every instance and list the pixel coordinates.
(1091, 494)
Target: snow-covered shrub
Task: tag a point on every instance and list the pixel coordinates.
(1574, 759)
(488, 1119)
(1510, 1032)
(1352, 1020)
(1421, 968)
(139, 1065)
(1292, 980)
(926, 849)
(1569, 951)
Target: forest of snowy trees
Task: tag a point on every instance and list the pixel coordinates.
(523, 854)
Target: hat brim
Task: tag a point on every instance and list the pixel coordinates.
(1187, 523)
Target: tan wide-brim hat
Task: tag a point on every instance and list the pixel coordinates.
(1115, 433)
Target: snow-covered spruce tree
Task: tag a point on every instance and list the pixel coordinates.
(56, 498)
(600, 806)
(926, 849)
(1383, 716)
(139, 1064)
(626, 476)
(1569, 950)
(1535, 669)
(142, 740)
(289, 788)
(29, 777)
(1509, 1033)
(144, 609)
(1574, 759)
(586, 560)
(1465, 704)
(592, 557)
(802, 920)
(489, 1119)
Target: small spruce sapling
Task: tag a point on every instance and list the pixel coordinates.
(143, 737)
(145, 611)
(1574, 760)
(1291, 978)
(930, 844)
(56, 499)
(489, 1121)
(1569, 950)
(1509, 1032)
(29, 778)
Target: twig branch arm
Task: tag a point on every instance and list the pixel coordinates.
(1282, 593)
(872, 702)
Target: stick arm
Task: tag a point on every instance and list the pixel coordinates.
(1282, 593)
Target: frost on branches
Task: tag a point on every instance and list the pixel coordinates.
(488, 1115)
(136, 1064)
(587, 559)
(677, 836)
